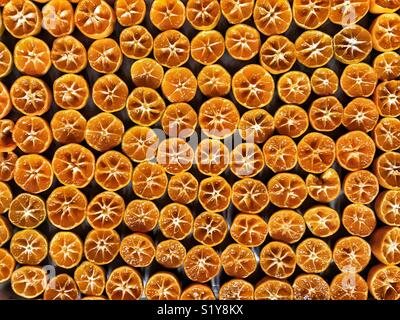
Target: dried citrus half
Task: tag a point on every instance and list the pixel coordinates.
(163, 286)
(291, 120)
(349, 286)
(247, 160)
(28, 247)
(141, 215)
(179, 120)
(358, 220)
(27, 211)
(214, 194)
(384, 282)
(109, 93)
(214, 81)
(197, 291)
(311, 14)
(101, 246)
(6, 197)
(385, 244)
(210, 228)
(385, 32)
(66, 207)
(250, 195)
(322, 221)
(386, 98)
(273, 289)
(105, 210)
(242, 41)
(136, 42)
(277, 54)
(105, 56)
(211, 157)
(310, 287)
(280, 153)
(294, 87)
(61, 287)
(238, 261)
(256, 126)
(140, 143)
(287, 226)
(176, 221)
(171, 48)
(68, 54)
(124, 283)
(7, 143)
(7, 264)
(324, 82)
(167, 14)
(358, 80)
(355, 150)
(6, 62)
(236, 289)
(175, 155)
(130, 12)
(287, 190)
(66, 249)
(207, 47)
(28, 281)
(32, 56)
(94, 18)
(361, 186)
(104, 131)
(386, 168)
(387, 65)
(147, 72)
(218, 118)
(351, 254)
(68, 126)
(137, 250)
(360, 114)
(149, 180)
(387, 207)
(22, 18)
(313, 255)
(183, 187)
(170, 253)
(58, 17)
(386, 134)
(179, 85)
(5, 230)
(237, 11)
(203, 14)
(201, 264)
(73, 165)
(314, 48)
(33, 173)
(348, 12)
(249, 230)
(272, 16)
(278, 260)
(71, 91)
(90, 278)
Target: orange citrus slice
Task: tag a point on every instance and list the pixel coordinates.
(294, 87)
(360, 114)
(109, 93)
(28, 282)
(68, 54)
(385, 244)
(149, 180)
(197, 291)
(359, 220)
(105, 210)
(348, 12)
(105, 56)
(273, 289)
(171, 48)
(130, 12)
(351, 254)
(71, 91)
(167, 14)
(349, 286)
(176, 221)
(147, 72)
(137, 250)
(322, 221)
(236, 289)
(256, 126)
(214, 81)
(175, 155)
(250, 195)
(124, 283)
(66, 249)
(207, 47)
(170, 253)
(179, 85)
(287, 226)
(387, 207)
(203, 14)
(211, 157)
(280, 153)
(311, 14)
(29, 247)
(247, 160)
(32, 56)
(237, 11)
(249, 230)
(272, 16)
(163, 286)
(27, 211)
(386, 98)
(90, 278)
(242, 42)
(210, 228)
(238, 261)
(324, 188)
(278, 260)
(183, 187)
(141, 215)
(387, 65)
(136, 42)
(201, 264)
(179, 120)
(384, 282)
(361, 186)
(358, 80)
(291, 120)
(314, 48)
(58, 17)
(140, 143)
(68, 126)
(385, 32)
(313, 255)
(310, 287)
(101, 246)
(324, 82)
(214, 194)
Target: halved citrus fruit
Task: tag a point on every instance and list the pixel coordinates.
(324, 82)
(355, 150)
(387, 65)
(7, 265)
(145, 106)
(272, 16)
(358, 80)
(385, 32)
(66, 249)
(214, 81)
(311, 14)
(149, 180)
(104, 131)
(105, 56)
(384, 282)
(348, 12)
(163, 286)
(167, 14)
(277, 54)
(33, 173)
(358, 220)
(385, 244)
(278, 260)
(386, 98)
(7, 165)
(201, 264)
(179, 120)
(113, 170)
(109, 93)
(238, 261)
(176, 221)
(124, 283)
(280, 153)
(273, 289)
(141, 215)
(73, 165)
(6, 62)
(140, 143)
(29, 247)
(287, 226)
(183, 187)
(171, 48)
(170, 253)
(294, 87)
(94, 18)
(214, 194)
(322, 221)
(211, 157)
(314, 48)
(287, 190)
(386, 168)
(382, 6)
(360, 114)
(361, 186)
(250, 195)
(237, 11)
(5, 197)
(210, 228)
(175, 155)
(147, 72)
(32, 56)
(68, 54)
(207, 47)
(5, 230)
(71, 91)
(197, 291)
(256, 126)
(386, 134)
(66, 207)
(137, 250)
(61, 287)
(236, 289)
(349, 286)
(58, 17)
(247, 160)
(68, 126)
(90, 278)
(203, 14)
(136, 42)
(27, 211)
(28, 281)
(179, 85)
(249, 230)
(387, 207)
(351, 254)
(326, 113)
(105, 210)
(101, 246)
(130, 12)
(310, 287)
(5, 101)
(291, 120)
(6, 141)
(242, 42)
(313, 255)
